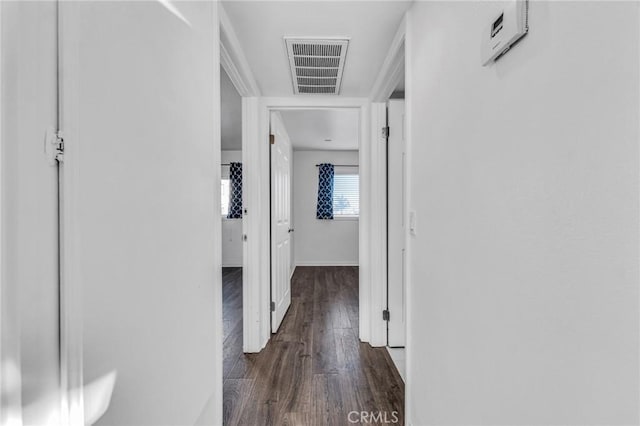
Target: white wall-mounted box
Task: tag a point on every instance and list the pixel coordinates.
(508, 26)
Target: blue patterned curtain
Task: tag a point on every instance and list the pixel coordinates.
(235, 191)
(325, 191)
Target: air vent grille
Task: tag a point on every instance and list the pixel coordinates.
(309, 81)
(316, 89)
(316, 62)
(306, 49)
(316, 65)
(316, 72)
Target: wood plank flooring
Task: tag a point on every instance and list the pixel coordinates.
(314, 371)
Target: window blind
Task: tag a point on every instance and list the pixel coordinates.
(346, 195)
(224, 196)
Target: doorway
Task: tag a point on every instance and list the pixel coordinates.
(231, 189)
(314, 168)
(396, 231)
(397, 215)
(314, 362)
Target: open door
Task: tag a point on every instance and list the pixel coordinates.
(30, 351)
(396, 223)
(280, 222)
(140, 116)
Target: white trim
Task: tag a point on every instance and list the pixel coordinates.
(639, 266)
(327, 263)
(392, 67)
(71, 324)
(378, 230)
(232, 265)
(351, 218)
(4, 409)
(408, 119)
(251, 272)
(233, 59)
(214, 406)
(2, 204)
(312, 102)
(10, 404)
(364, 230)
(263, 150)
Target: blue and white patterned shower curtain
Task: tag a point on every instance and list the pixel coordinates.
(325, 191)
(235, 191)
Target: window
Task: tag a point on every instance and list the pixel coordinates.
(346, 195)
(224, 196)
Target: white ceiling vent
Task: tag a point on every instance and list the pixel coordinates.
(316, 65)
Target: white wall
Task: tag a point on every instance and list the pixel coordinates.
(30, 350)
(320, 242)
(524, 177)
(231, 228)
(145, 152)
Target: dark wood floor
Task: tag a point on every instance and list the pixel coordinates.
(314, 371)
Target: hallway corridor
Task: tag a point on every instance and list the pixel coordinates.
(314, 371)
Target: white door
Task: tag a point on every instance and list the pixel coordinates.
(140, 97)
(280, 222)
(396, 225)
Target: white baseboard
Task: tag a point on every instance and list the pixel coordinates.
(327, 263)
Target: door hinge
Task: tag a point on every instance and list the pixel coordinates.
(385, 132)
(54, 146)
(385, 315)
(273, 306)
(244, 237)
(272, 139)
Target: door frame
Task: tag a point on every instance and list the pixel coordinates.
(71, 324)
(256, 113)
(256, 203)
(387, 80)
(404, 215)
(391, 72)
(5, 409)
(236, 65)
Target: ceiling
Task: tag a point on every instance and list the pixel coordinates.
(231, 114)
(308, 129)
(261, 26)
